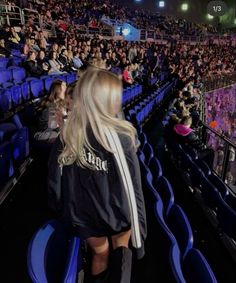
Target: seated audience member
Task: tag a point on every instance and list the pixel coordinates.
(55, 66)
(13, 36)
(127, 78)
(32, 67)
(3, 51)
(77, 63)
(69, 96)
(53, 113)
(42, 61)
(64, 60)
(187, 136)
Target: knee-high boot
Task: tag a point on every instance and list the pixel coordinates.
(99, 278)
(120, 265)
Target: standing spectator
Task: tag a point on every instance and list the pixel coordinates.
(83, 169)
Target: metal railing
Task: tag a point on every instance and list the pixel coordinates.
(224, 163)
(10, 15)
(218, 81)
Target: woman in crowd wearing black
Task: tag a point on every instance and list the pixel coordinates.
(90, 183)
(32, 67)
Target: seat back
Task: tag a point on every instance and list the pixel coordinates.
(219, 185)
(165, 191)
(6, 165)
(143, 140)
(148, 152)
(227, 218)
(156, 168)
(169, 253)
(179, 225)
(53, 254)
(196, 268)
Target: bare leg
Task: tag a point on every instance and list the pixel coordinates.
(100, 254)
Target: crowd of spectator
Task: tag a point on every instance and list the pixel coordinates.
(132, 61)
(66, 16)
(221, 115)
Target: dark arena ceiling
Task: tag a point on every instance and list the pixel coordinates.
(197, 10)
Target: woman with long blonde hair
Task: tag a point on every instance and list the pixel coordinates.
(92, 188)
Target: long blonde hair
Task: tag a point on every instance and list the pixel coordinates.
(97, 99)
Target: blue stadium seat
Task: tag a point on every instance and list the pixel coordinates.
(165, 191)
(70, 78)
(16, 95)
(141, 157)
(170, 254)
(3, 62)
(179, 225)
(196, 268)
(7, 130)
(5, 76)
(16, 61)
(231, 201)
(48, 82)
(156, 169)
(7, 169)
(20, 143)
(36, 87)
(210, 194)
(18, 75)
(25, 91)
(226, 217)
(53, 255)
(148, 152)
(143, 140)
(219, 185)
(203, 166)
(5, 100)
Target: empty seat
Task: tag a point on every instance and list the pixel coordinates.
(16, 95)
(48, 82)
(148, 152)
(3, 62)
(203, 166)
(219, 185)
(169, 254)
(5, 76)
(143, 140)
(25, 91)
(53, 255)
(179, 225)
(196, 268)
(36, 87)
(165, 191)
(5, 100)
(7, 130)
(231, 201)
(18, 75)
(20, 143)
(226, 217)
(156, 169)
(6, 165)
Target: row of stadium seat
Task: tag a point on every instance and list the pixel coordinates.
(140, 113)
(209, 187)
(13, 61)
(14, 148)
(183, 263)
(12, 96)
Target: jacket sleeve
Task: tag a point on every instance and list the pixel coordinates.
(133, 164)
(54, 179)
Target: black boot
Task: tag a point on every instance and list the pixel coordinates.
(120, 265)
